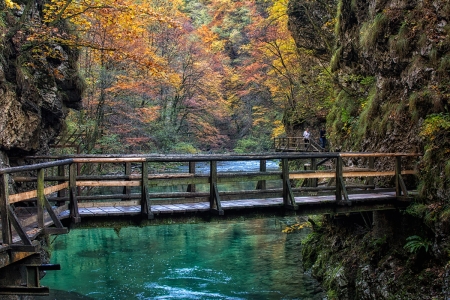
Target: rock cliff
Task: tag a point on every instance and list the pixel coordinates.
(38, 81)
(390, 63)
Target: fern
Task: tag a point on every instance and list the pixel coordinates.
(415, 243)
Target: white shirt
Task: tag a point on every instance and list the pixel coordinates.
(306, 134)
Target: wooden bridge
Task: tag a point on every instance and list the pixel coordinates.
(296, 144)
(79, 187)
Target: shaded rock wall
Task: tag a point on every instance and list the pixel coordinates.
(390, 64)
(36, 87)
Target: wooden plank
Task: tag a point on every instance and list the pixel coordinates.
(109, 183)
(85, 212)
(112, 210)
(348, 174)
(33, 194)
(108, 159)
(112, 204)
(361, 154)
(130, 210)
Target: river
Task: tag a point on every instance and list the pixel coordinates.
(240, 259)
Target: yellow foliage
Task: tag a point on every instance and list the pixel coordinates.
(278, 129)
(296, 227)
(11, 5)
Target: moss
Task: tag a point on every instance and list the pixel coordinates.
(444, 65)
(400, 42)
(337, 26)
(334, 63)
(371, 31)
(419, 103)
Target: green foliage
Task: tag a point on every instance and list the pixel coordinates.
(312, 236)
(371, 31)
(400, 42)
(444, 65)
(110, 144)
(330, 279)
(247, 145)
(184, 148)
(337, 26)
(334, 63)
(417, 210)
(379, 242)
(415, 243)
(435, 125)
(331, 294)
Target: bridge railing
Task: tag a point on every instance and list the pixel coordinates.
(295, 144)
(136, 178)
(9, 219)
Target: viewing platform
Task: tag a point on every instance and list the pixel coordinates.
(296, 144)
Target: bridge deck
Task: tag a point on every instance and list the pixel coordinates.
(306, 205)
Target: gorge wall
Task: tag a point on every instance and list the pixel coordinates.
(38, 81)
(390, 65)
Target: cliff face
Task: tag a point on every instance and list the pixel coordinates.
(390, 65)
(393, 56)
(38, 82)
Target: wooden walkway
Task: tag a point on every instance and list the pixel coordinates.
(306, 205)
(61, 191)
(296, 144)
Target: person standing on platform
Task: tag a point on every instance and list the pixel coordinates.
(306, 137)
(322, 137)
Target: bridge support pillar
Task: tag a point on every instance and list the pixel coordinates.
(23, 276)
(383, 223)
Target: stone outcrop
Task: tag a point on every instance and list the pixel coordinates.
(37, 83)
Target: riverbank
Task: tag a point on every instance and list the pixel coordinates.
(354, 259)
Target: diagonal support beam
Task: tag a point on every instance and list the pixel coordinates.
(290, 203)
(344, 191)
(402, 185)
(16, 224)
(60, 229)
(217, 202)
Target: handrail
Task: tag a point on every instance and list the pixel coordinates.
(73, 180)
(37, 166)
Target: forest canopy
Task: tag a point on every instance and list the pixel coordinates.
(183, 76)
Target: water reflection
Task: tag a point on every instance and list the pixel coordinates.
(249, 259)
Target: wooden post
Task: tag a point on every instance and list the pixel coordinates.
(40, 198)
(314, 168)
(61, 193)
(212, 182)
(78, 172)
(261, 185)
(74, 213)
(285, 177)
(145, 200)
(4, 206)
(127, 189)
(370, 180)
(339, 178)
(191, 187)
(398, 173)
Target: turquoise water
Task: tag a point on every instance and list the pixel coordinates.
(249, 259)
